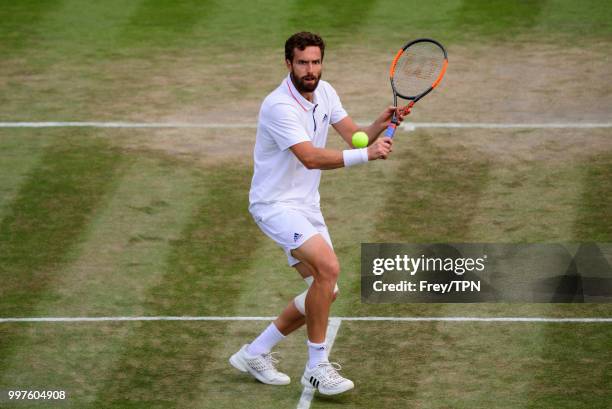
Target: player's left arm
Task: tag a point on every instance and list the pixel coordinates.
(347, 127)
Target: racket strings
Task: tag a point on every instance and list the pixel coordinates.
(418, 67)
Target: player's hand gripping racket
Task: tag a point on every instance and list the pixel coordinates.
(415, 71)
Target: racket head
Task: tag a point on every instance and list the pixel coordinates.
(417, 69)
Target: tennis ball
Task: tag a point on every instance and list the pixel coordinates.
(360, 139)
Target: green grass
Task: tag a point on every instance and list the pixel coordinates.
(505, 366)
(146, 365)
(431, 366)
(22, 150)
(53, 205)
(155, 222)
(595, 220)
(69, 60)
(167, 236)
(416, 212)
(111, 28)
(211, 258)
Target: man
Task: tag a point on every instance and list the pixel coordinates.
(284, 201)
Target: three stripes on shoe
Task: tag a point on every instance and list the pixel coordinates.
(314, 381)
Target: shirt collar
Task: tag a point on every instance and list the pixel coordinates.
(305, 104)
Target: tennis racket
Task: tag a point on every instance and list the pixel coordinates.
(415, 71)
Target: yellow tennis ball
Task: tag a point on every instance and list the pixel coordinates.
(360, 139)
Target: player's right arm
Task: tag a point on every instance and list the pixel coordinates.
(284, 126)
(324, 159)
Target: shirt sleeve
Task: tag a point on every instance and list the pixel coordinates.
(337, 111)
(285, 126)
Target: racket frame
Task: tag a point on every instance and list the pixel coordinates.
(414, 98)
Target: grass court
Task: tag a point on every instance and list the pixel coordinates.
(154, 221)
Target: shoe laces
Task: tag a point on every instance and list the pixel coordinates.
(266, 361)
(330, 373)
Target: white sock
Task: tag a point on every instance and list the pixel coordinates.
(265, 341)
(316, 353)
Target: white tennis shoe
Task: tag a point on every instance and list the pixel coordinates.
(326, 379)
(262, 367)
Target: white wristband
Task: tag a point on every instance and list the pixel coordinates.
(355, 156)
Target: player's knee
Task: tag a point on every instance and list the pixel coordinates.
(329, 270)
(300, 300)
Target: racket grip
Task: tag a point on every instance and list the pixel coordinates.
(390, 130)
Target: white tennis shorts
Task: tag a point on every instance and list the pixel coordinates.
(290, 227)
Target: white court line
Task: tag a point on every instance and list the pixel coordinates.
(122, 125)
(149, 318)
(485, 125)
(477, 319)
(246, 318)
(405, 126)
(332, 330)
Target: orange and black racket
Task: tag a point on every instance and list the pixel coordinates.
(415, 71)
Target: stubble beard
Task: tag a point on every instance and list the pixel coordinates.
(302, 86)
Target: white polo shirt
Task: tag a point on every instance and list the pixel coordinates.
(285, 119)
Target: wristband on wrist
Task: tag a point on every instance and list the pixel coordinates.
(355, 156)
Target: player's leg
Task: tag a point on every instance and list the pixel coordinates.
(293, 316)
(319, 372)
(256, 356)
(289, 320)
(288, 228)
(291, 228)
(317, 253)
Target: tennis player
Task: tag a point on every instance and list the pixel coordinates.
(284, 201)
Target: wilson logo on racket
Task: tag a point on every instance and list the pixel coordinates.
(415, 71)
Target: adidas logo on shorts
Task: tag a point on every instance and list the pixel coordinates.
(296, 237)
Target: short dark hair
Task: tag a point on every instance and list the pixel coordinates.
(302, 40)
